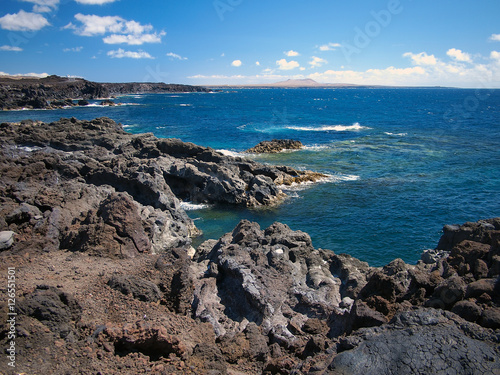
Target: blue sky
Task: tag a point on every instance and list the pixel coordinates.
(393, 42)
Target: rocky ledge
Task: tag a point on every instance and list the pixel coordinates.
(106, 280)
(275, 146)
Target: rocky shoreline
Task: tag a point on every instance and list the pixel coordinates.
(54, 92)
(107, 280)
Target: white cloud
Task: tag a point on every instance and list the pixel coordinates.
(96, 25)
(287, 65)
(236, 63)
(133, 39)
(74, 49)
(421, 58)
(95, 2)
(292, 53)
(494, 55)
(257, 63)
(329, 47)
(176, 56)
(43, 6)
(23, 21)
(495, 37)
(122, 31)
(458, 55)
(120, 54)
(316, 62)
(34, 75)
(10, 48)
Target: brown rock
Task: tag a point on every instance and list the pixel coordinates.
(467, 310)
(275, 146)
(491, 318)
(479, 287)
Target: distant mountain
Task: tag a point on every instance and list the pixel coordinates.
(289, 83)
(297, 83)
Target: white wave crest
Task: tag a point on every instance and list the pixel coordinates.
(332, 178)
(315, 147)
(338, 128)
(234, 154)
(188, 206)
(396, 134)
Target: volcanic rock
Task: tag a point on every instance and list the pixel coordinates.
(275, 146)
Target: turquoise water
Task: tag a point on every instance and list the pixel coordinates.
(402, 162)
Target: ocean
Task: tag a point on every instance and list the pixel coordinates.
(401, 162)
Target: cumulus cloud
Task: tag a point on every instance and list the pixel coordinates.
(330, 47)
(257, 63)
(495, 37)
(134, 39)
(236, 63)
(316, 62)
(23, 21)
(122, 31)
(287, 65)
(176, 56)
(95, 2)
(99, 25)
(10, 48)
(292, 53)
(458, 55)
(120, 54)
(421, 58)
(43, 6)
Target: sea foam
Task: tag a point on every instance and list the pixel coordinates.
(338, 128)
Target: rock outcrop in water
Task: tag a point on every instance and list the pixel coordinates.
(275, 146)
(107, 281)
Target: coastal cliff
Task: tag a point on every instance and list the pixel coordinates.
(56, 92)
(108, 281)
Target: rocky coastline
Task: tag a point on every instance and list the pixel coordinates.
(54, 92)
(107, 280)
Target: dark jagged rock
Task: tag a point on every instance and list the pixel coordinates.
(273, 278)
(141, 289)
(420, 342)
(275, 146)
(54, 308)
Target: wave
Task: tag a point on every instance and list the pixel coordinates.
(315, 147)
(338, 128)
(330, 178)
(234, 154)
(396, 134)
(188, 206)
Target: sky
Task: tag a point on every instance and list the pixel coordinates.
(202, 42)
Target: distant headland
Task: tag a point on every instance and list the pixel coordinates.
(51, 92)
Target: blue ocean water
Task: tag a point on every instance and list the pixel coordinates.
(402, 162)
